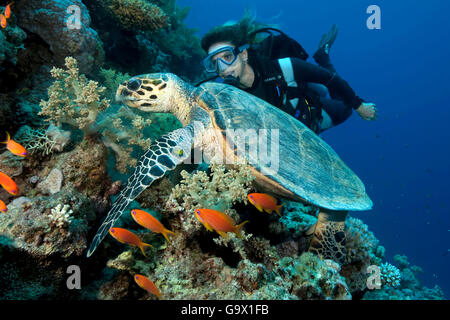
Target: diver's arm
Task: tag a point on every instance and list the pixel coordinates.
(304, 71)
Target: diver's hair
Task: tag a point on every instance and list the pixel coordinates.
(237, 33)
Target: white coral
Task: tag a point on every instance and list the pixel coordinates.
(60, 215)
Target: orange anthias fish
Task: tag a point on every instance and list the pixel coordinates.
(3, 207)
(8, 10)
(146, 284)
(8, 184)
(15, 147)
(128, 237)
(264, 202)
(3, 22)
(146, 220)
(218, 221)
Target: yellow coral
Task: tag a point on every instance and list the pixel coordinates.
(225, 187)
(73, 99)
(138, 14)
(218, 192)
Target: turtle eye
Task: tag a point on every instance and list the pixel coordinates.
(134, 84)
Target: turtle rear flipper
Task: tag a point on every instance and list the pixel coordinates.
(328, 240)
(163, 155)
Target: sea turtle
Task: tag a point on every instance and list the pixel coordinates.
(307, 169)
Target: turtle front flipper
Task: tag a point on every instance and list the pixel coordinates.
(328, 240)
(163, 155)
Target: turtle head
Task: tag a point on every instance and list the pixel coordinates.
(154, 92)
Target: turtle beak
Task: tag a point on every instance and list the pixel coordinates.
(125, 94)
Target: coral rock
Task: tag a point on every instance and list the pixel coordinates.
(53, 183)
(49, 20)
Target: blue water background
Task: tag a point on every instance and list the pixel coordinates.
(403, 157)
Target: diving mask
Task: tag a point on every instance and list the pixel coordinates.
(220, 59)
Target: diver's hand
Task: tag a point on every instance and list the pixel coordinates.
(368, 111)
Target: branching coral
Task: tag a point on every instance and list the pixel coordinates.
(43, 141)
(138, 14)
(74, 99)
(60, 216)
(217, 191)
(390, 275)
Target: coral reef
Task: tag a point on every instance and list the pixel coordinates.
(50, 21)
(314, 278)
(11, 42)
(390, 275)
(219, 191)
(138, 14)
(68, 180)
(36, 251)
(52, 183)
(409, 286)
(363, 250)
(43, 141)
(60, 216)
(73, 99)
(29, 225)
(11, 45)
(169, 47)
(79, 102)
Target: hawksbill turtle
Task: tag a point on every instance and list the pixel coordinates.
(306, 169)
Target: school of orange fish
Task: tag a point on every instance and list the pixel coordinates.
(5, 181)
(212, 220)
(5, 16)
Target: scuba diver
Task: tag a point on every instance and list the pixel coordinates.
(275, 70)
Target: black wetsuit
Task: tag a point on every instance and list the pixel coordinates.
(339, 108)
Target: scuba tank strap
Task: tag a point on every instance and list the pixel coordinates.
(288, 75)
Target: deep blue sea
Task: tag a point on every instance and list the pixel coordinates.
(403, 158)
